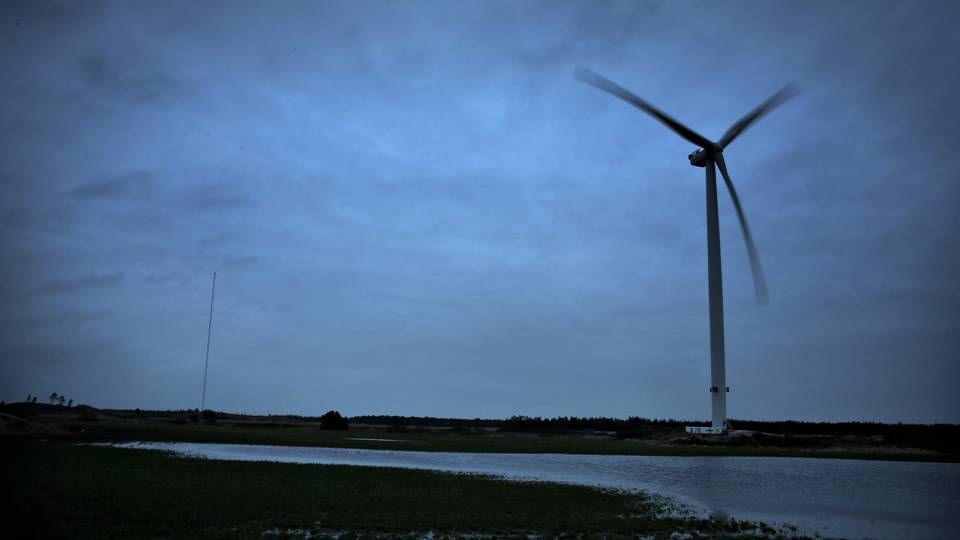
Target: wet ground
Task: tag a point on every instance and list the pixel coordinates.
(832, 497)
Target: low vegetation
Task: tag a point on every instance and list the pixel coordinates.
(632, 436)
(58, 490)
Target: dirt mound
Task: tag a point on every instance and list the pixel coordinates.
(15, 424)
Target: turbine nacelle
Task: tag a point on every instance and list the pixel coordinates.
(698, 158)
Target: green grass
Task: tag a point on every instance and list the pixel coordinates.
(117, 429)
(56, 490)
(73, 425)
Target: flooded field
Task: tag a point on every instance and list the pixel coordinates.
(835, 498)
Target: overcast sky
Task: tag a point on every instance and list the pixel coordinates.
(413, 208)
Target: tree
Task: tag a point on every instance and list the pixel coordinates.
(70, 404)
(28, 397)
(34, 400)
(53, 398)
(60, 400)
(333, 420)
(86, 413)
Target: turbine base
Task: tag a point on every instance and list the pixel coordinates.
(705, 430)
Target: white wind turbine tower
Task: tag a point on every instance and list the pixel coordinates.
(708, 154)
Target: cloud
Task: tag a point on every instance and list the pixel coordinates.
(155, 278)
(131, 185)
(68, 317)
(48, 15)
(137, 79)
(241, 261)
(214, 197)
(89, 281)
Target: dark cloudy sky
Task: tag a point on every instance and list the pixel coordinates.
(413, 208)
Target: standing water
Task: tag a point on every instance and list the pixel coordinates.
(832, 497)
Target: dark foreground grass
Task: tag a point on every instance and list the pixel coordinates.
(65, 491)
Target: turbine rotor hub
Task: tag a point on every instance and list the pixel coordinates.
(699, 157)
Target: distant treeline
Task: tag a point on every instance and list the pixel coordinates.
(937, 437)
(942, 437)
(422, 421)
(791, 427)
(602, 423)
(524, 423)
(175, 413)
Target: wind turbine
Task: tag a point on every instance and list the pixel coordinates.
(707, 154)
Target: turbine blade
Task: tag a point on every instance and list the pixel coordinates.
(759, 282)
(737, 128)
(593, 79)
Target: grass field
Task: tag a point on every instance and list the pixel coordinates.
(70, 426)
(57, 490)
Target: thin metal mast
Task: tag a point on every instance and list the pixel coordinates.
(206, 360)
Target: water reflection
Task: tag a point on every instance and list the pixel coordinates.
(848, 498)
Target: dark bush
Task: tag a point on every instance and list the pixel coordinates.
(86, 413)
(333, 420)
